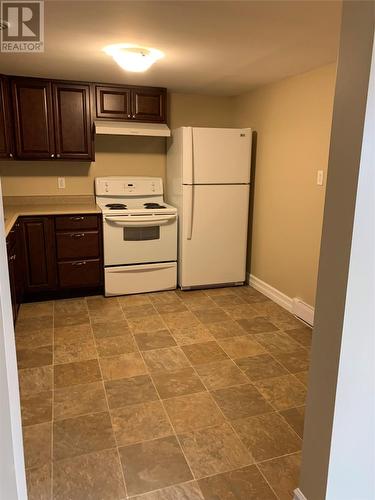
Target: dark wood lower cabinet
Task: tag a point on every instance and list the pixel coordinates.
(53, 257)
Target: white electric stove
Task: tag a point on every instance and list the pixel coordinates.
(139, 235)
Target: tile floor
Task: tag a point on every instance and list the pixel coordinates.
(164, 396)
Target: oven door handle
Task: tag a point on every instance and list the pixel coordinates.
(134, 221)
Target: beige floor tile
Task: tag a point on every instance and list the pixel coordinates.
(36, 408)
(122, 366)
(244, 484)
(303, 377)
(146, 324)
(32, 380)
(35, 310)
(81, 372)
(153, 464)
(214, 315)
(26, 325)
(80, 435)
(37, 442)
(241, 311)
(127, 301)
(39, 483)
(228, 300)
(72, 333)
(33, 339)
(71, 319)
(130, 391)
(276, 343)
(170, 358)
(78, 400)
(250, 295)
(70, 306)
(155, 340)
(196, 302)
(282, 474)
(204, 352)
(112, 314)
(257, 325)
(96, 476)
(186, 491)
(164, 297)
(139, 311)
(225, 329)
(295, 418)
(78, 350)
(142, 422)
(194, 411)
(177, 383)
(110, 329)
(184, 319)
(170, 307)
(214, 292)
(213, 450)
(192, 335)
(238, 347)
(112, 346)
(221, 374)
(260, 367)
(294, 361)
(302, 335)
(267, 436)
(282, 392)
(241, 401)
(33, 358)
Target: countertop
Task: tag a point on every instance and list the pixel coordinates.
(16, 206)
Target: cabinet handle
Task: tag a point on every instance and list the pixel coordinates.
(133, 116)
(77, 235)
(10, 155)
(58, 155)
(129, 116)
(12, 257)
(76, 218)
(52, 155)
(82, 263)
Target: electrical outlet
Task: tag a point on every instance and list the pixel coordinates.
(320, 178)
(61, 182)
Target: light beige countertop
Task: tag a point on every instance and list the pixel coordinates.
(16, 206)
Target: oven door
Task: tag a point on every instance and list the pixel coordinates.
(136, 239)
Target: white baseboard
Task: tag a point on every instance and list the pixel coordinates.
(298, 495)
(294, 305)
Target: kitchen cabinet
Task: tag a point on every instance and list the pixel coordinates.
(6, 143)
(72, 121)
(33, 119)
(115, 102)
(52, 120)
(16, 267)
(39, 251)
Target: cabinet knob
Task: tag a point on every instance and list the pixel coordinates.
(58, 155)
(129, 116)
(10, 155)
(133, 116)
(52, 155)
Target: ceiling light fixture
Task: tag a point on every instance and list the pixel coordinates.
(133, 58)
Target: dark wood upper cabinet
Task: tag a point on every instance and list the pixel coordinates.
(33, 119)
(5, 121)
(39, 249)
(113, 102)
(149, 104)
(72, 118)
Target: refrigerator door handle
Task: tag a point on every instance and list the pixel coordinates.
(189, 206)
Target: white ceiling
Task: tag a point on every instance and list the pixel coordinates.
(211, 47)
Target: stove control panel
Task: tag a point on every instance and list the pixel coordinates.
(128, 186)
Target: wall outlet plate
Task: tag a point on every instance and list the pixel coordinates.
(61, 182)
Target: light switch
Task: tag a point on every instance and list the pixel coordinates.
(320, 178)
(61, 182)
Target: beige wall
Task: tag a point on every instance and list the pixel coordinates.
(292, 119)
(115, 155)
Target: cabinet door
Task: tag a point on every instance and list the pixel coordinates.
(113, 102)
(73, 126)
(149, 104)
(5, 121)
(39, 249)
(33, 122)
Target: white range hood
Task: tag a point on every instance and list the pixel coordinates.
(128, 128)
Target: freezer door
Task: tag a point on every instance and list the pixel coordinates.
(218, 156)
(213, 235)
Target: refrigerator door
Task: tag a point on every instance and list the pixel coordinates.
(213, 235)
(216, 156)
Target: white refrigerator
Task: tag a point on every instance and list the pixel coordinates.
(208, 180)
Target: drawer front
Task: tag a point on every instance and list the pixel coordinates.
(78, 274)
(76, 222)
(76, 245)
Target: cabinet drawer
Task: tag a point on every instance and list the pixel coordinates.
(77, 245)
(76, 222)
(82, 273)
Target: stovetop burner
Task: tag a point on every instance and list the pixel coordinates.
(116, 206)
(153, 205)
